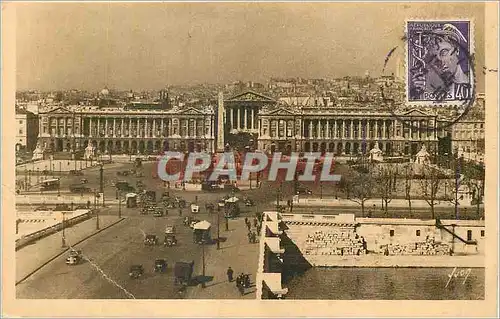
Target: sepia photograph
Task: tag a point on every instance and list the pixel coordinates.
(247, 151)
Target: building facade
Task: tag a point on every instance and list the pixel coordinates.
(317, 126)
(127, 131)
(467, 139)
(279, 125)
(26, 130)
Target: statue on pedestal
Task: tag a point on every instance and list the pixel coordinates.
(421, 158)
(89, 151)
(376, 154)
(38, 152)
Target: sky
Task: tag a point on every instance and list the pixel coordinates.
(146, 46)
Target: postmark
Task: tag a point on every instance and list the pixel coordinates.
(439, 68)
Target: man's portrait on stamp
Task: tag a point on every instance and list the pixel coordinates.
(439, 64)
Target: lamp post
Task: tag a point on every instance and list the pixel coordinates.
(96, 210)
(226, 217)
(120, 206)
(101, 173)
(63, 239)
(220, 205)
(101, 182)
(203, 256)
(25, 178)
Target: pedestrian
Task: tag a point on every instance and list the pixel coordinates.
(180, 211)
(255, 222)
(249, 235)
(230, 274)
(246, 220)
(249, 226)
(253, 237)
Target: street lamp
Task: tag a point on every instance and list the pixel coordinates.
(63, 239)
(203, 254)
(220, 205)
(101, 173)
(96, 196)
(120, 206)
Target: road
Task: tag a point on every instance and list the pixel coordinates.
(114, 251)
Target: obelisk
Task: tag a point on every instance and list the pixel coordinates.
(220, 123)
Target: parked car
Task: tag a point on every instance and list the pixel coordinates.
(304, 190)
(74, 257)
(79, 188)
(158, 212)
(151, 240)
(160, 265)
(136, 271)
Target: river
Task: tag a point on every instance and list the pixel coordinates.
(388, 284)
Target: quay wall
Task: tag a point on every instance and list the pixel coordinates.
(346, 241)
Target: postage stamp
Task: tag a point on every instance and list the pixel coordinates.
(439, 63)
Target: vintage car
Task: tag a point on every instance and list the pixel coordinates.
(169, 229)
(248, 202)
(160, 265)
(74, 257)
(158, 212)
(136, 271)
(170, 240)
(302, 190)
(151, 240)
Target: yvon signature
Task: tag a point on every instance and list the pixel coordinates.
(459, 273)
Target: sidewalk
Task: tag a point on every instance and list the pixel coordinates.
(32, 257)
(235, 252)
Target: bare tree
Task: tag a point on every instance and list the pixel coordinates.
(361, 188)
(429, 185)
(474, 179)
(384, 185)
(408, 178)
(454, 184)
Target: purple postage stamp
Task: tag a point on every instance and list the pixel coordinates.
(439, 63)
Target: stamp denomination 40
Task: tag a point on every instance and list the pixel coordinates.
(439, 64)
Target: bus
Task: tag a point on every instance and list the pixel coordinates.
(49, 184)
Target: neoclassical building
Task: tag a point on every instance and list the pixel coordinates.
(127, 131)
(316, 126)
(278, 125)
(346, 131)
